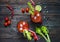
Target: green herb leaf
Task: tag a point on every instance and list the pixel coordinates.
(44, 30)
(38, 30)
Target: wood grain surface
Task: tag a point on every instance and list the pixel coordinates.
(50, 15)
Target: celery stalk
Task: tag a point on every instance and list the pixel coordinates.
(31, 7)
(27, 34)
(31, 12)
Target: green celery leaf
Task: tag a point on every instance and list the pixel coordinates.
(44, 30)
(38, 30)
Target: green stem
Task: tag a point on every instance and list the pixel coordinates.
(43, 36)
(48, 38)
(31, 12)
(31, 7)
(27, 34)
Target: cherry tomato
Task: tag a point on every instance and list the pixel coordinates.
(36, 17)
(23, 10)
(22, 25)
(5, 24)
(6, 18)
(27, 10)
(9, 22)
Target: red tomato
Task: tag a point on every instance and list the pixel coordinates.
(23, 10)
(27, 10)
(36, 17)
(6, 18)
(5, 24)
(22, 25)
(9, 22)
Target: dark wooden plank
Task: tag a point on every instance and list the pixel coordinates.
(51, 19)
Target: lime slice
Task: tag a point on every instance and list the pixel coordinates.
(38, 8)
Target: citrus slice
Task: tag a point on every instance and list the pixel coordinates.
(38, 8)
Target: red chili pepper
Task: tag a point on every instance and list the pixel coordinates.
(34, 35)
(12, 12)
(9, 7)
(33, 3)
